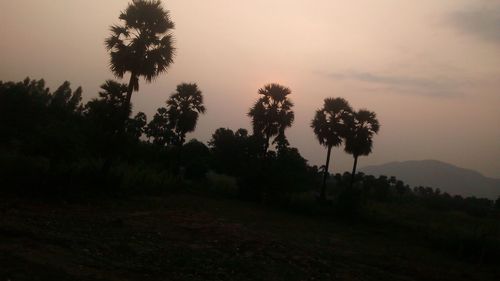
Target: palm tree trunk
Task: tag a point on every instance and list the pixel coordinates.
(322, 195)
(130, 90)
(353, 174)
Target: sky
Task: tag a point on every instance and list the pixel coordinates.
(429, 69)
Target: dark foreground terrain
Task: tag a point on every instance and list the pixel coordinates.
(191, 237)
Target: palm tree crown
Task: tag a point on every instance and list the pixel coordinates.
(329, 123)
(183, 109)
(272, 113)
(142, 45)
(362, 126)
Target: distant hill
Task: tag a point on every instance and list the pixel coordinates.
(447, 177)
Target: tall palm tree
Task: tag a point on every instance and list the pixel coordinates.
(142, 45)
(183, 109)
(362, 126)
(329, 125)
(272, 114)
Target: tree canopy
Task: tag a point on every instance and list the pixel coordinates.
(272, 114)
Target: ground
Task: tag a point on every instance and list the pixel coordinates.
(195, 237)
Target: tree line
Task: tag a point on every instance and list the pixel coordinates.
(142, 46)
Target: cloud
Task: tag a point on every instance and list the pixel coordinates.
(482, 22)
(438, 87)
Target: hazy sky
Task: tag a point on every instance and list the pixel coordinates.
(429, 69)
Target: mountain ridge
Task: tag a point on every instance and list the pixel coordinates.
(447, 177)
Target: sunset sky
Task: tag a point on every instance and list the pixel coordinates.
(429, 69)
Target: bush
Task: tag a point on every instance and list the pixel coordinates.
(22, 173)
(142, 179)
(222, 184)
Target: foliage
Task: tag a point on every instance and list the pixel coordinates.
(171, 124)
(48, 134)
(183, 109)
(330, 122)
(195, 158)
(136, 127)
(108, 133)
(108, 110)
(142, 45)
(330, 127)
(361, 127)
(272, 114)
(38, 122)
(230, 150)
(274, 177)
(158, 129)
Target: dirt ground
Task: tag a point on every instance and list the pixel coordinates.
(192, 237)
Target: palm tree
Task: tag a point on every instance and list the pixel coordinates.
(272, 114)
(362, 125)
(183, 109)
(329, 125)
(143, 45)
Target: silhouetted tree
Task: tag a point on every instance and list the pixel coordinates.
(170, 124)
(230, 150)
(329, 125)
(136, 126)
(183, 109)
(108, 110)
(39, 122)
(362, 125)
(401, 188)
(196, 158)
(64, 99)
(142, 45)
(291, 172)
(158, 129)
(105, 118)
(22, 109)
(272, 114)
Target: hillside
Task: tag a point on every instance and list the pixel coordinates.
(437, 174)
